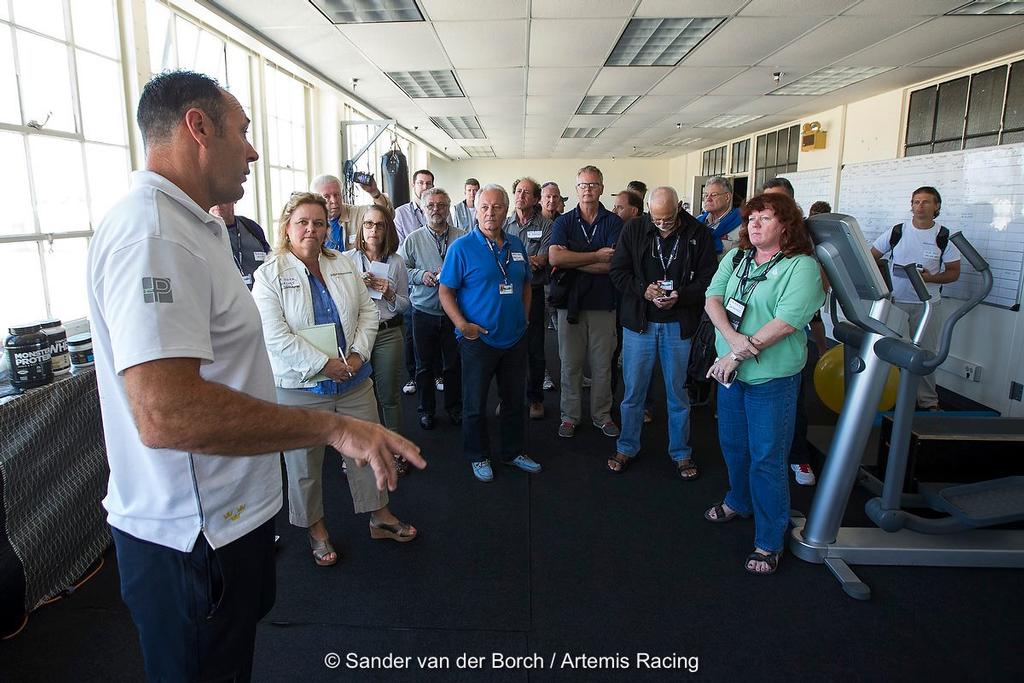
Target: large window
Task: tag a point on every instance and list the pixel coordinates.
(740, 161)
(287, 152)
(979, 110)
(776, 153)
(63, 146)
(713, 161)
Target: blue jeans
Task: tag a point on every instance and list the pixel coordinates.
(480, 365)
(660, 340)
(755, 431)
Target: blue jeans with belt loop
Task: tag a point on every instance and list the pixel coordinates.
(639, 350)
(755, 431)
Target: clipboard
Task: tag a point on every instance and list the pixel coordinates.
(324, 339)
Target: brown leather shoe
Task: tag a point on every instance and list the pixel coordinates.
(536, 411)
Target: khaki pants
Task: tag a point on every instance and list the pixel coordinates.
(927, 396)
(305, 466)
(593, 339)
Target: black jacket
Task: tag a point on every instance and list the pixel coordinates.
(691, 271)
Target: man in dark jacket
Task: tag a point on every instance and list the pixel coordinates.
(662, 265)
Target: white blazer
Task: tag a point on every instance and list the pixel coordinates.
(282, 293)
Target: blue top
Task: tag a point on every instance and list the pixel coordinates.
(324, 312)
(477, 269)
(729, 222)
(573, 233)
(335, 235)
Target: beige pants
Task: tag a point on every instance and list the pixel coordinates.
(305, 466)
(592, 338)
(927, 396)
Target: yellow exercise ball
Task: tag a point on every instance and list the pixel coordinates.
(830, 385)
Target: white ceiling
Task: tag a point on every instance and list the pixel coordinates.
(525, 65)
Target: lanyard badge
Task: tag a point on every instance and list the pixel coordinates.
(505, 287)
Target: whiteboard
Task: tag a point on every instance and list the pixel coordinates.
(982, 195)
(812, 186)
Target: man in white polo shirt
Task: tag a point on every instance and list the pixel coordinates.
(187, 393)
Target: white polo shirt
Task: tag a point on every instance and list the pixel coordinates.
(915, 246)
(163, 284)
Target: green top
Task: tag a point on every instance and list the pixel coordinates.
(792, 293)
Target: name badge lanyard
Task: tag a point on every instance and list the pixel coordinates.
(583, 227)
(441, 242)
(656, 251)
(238, 254)
(503, 267)
(749, 283)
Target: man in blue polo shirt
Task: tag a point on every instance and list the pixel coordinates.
(582, 244)
(721, 217)
(485, 291)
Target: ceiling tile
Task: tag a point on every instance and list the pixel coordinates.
(651, 104)
(505, 42)
(491, 82)
(446, 106)
(745, 41)
(583, 9)
(412, 46)
(632, 120)
(839, 38)
(979, 51)
(446, 10)
(758, 81)
(770, 105)
(627, 80)
(694, 81)
(776, 8)
(494, 124)
(275, 15)
(543, 105)
(499, 106)
(691, 8)
(915, 8)
(557, 42)
(714, 104)
(921, 41)
(592, 121)
(560, 81)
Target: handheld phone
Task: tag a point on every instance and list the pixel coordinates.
(362, 178)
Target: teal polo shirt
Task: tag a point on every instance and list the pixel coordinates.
(473, 267)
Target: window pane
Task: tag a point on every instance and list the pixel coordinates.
(246, 206)
(986, 105)
(1014, 117)
(982, 141)
(10, 112)
(916, 150)
(952, 102)
(299, 147)
(65, 273)
(108, 168)
(947, 146)
(277, 195)
(794, 144)
(200, 50)
(761, 145)
(238, 77)
(1011, 138)
(921, 116)
(21, 273)
(100, 96)
(161, 38)
(783, 153)
(45, 16)
(45, 82)
(16, 218)
(59, 183)
(3, 11)
(771, 141)
(95, 26)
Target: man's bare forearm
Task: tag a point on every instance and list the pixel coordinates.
(563, 258)
(596, 268)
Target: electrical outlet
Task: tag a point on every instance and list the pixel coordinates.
(972, 372)
(1016, 391)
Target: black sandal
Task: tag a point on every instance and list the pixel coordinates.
(618, 463)
(721, 516)
(771, 559)
(687, 469)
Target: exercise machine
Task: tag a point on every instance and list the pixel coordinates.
(957, 536)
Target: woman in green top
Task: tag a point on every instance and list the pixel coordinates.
(760, 309)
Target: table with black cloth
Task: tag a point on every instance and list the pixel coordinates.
(53, 475)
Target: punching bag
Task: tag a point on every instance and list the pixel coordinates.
(394, 174)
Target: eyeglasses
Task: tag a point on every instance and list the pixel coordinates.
(436, 205)
(589, 186)
(370, 225)
(713, 195)
(664, 222)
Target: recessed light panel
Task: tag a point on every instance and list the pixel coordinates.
(678, 141)
(368, 11)
(830, 79)
(1011, 7)
(459, 127)
(660, 42)
(480, 151)
(582, 132)
(648, 153)
(423, 84)
(729, 120)
(606, 104)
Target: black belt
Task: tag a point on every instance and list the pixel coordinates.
(391, 322)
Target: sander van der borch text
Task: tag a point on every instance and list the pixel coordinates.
(499, 661)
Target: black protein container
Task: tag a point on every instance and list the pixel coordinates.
(28, 353)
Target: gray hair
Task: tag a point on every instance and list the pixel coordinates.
(431, 192)
(721, 182)
(324, 179)
(666, 189)
(497, 188)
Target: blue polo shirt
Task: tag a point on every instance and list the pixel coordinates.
(575, 234)
(473, 267)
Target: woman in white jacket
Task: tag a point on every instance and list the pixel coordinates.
(320, 325)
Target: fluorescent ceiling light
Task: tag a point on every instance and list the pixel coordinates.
(605, 104)
(368, 11)
(582, 132)
(678, 141)
(660, 42)
(479, 151)
(459, 127)
(830, 79)
(648, 153)
(978, 7)
(728, 120)
(422, 84)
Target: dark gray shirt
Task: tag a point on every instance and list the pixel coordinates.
(536, 236)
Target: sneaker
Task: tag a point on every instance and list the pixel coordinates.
(549, 384)
(439, 384)
(482, 470)
(586, 382)
(526, 464)
(609, 428)
(804, 474)
(567, 430)
(409, 388)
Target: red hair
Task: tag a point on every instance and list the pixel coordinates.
(794, 239)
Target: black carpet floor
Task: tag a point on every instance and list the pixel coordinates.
(574, 562)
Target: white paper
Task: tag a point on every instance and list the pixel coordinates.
(380, 271)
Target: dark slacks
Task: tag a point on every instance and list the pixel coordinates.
(437, 355)
(196, 612)
(480, 364)
(535, 347)
(410, 348)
